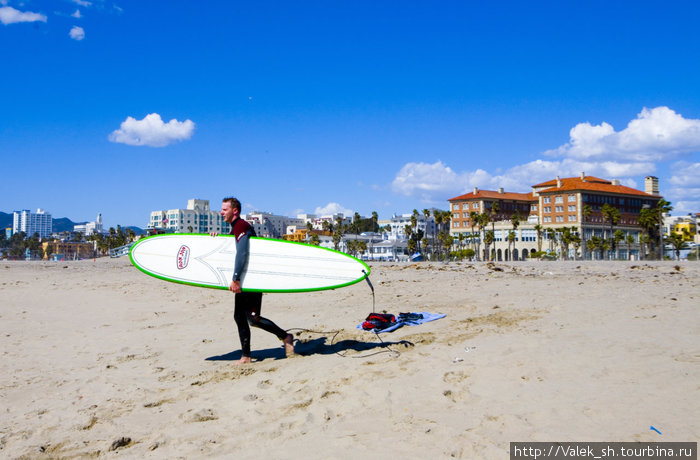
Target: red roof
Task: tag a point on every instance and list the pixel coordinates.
(553, 182)
(594, 185)
(490, 194)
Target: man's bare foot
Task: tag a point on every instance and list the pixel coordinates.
(243, 360)
(289, 344)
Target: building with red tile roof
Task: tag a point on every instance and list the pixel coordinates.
(573, 202)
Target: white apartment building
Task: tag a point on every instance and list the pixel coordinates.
(90, 227)
(317, 221)
(196, 218)
(398, 226)
(30, 223)
(271, 225)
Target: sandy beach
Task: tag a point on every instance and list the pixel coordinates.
(100, 360)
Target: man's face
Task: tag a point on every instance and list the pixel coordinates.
(228, 212)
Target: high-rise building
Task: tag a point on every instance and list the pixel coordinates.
(30, 223)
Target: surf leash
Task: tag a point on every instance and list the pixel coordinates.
(371, 287)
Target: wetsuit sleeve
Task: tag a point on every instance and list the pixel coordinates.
(242, 253)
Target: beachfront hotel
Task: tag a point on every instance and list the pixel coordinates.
(551, 205)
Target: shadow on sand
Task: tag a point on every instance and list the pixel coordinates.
(317, 346)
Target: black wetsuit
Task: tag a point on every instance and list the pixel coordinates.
(248, 304)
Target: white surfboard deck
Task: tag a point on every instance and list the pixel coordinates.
(273, 266)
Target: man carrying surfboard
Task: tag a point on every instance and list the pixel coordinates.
(247, 304)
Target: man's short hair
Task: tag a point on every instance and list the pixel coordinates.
(235, 204)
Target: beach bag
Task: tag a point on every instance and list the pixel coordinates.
(378, 321)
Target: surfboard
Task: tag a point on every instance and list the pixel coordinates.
(273, 266)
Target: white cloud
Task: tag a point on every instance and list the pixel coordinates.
(151, 131)
(684, 207)
(427, 180)
(77, 14)
(656, 134)
(77, 33)
(684, 194)
(431, 183)
(9, 15)
(82, 3)
(686, 174)
(333, 208)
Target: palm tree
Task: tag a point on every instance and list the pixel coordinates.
(586, 212)
(648, 221)
(511, 240)
(426, 214)
(338, 234)
(314, 239)
(551, 235)
(595, 242)
(375, 218)
(425, 241)
(612, 215)
(677, 242)
(662, 207)
(495, 207)
(515, 222)
(567, 237)
(483, 221)
(473, 219)
(460, 238)
(488, 239)
(630, 241)
(618, 236)
(327, 226)
(309, 227)
(575, 240)
(539, 229)
(438, 216)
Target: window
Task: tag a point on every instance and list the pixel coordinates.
(455, 207)
(560, 218)
(547, 199)
(572, 208)
(572, 218)
(572, 198)
(559, 199)
(475, 205)
(533, 208)
(465, 205)
(547, 219)
(559, 208)
(456, 224)
(547, 209)
(455, 216)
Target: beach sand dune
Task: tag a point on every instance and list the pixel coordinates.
(100, 360)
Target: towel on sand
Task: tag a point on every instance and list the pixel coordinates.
(413, 322)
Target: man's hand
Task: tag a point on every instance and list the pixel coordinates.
(235, 286)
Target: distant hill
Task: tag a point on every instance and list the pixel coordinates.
(5, 220)
(62, 224)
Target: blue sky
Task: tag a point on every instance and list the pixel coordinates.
(125, 107)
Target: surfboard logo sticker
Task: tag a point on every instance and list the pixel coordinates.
(183, 257)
